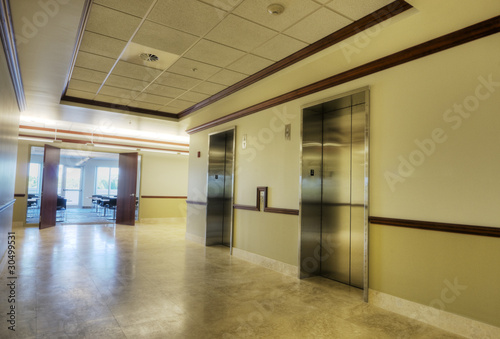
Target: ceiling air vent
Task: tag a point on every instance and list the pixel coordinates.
(149, 57)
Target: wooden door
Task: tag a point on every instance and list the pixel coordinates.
(127, 182)
(48, 200)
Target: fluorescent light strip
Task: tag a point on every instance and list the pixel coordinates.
(117, 147)
(35, 139)
(160, 151)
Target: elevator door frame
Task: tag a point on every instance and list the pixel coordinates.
(233, 129)
(312, 252)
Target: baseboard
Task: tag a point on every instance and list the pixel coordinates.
(195, 238)
(162, 220)
(269, 263)
(441, 319)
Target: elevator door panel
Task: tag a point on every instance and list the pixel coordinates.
(336, 198)
(215, 192)
(228, 189)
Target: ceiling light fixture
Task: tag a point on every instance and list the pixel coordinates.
(275, 9)
(148, 57)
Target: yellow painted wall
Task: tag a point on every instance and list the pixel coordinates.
(162, 208)
(451, 98)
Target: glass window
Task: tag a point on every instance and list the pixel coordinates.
(34, 179)
(60, 180)
(106, 181)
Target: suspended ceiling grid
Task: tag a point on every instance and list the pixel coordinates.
(203, 46)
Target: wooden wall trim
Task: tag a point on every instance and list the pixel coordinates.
(9, 45)
(162, 197)
(257, 206)
(360, 25)
(19, 195)
(7, 205)
(462, 36)
(196, 202)
(438, 226)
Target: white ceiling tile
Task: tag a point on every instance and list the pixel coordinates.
(177, 81)
(213, 53)
(93, 61)
(88, 75)
(194, 97)
(227, 77)
(118, 92)
(256, 11)
(145, 105)
(111, 23)
(101, 45)
(182, 104)
(309, 31)
(189, 16)
(80, 94)
(165, 91)
(153, 99)
(322, 1)
(164, 38)
(209, 88)
(134, 71)
(240, 33)
(127, 83)
(193, 69)
(170, 109)
(112, 100)
(226, 5)
(279, 47)
(250, 64)
(357, 9)
(136, 7)
(84, 86)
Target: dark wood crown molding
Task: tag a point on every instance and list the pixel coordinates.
(9, 45)
(438, 226)
(457, 38)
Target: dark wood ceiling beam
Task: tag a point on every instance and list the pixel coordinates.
(457, 38)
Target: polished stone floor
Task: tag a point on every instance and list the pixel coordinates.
(108, 281)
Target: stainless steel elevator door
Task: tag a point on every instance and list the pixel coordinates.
(228, 189)
(336, 197)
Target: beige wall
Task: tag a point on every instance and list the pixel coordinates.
(451, 180)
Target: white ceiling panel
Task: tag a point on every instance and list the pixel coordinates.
(250, 64)
(164, 38)
(165, 91)
(256, 11)
(190, 16)
(193, 69)
(95, 62)
(127, 83)
(118, 92)
(240, 33)
(177, 80)
(279, 47)
(80, 94)
(213, 53)
(136, 7)
(227, 77)
(227, 5)
(170, 109)
(153, 99)
(83, 86)
(357, 9)
(193, 96)
(134, 71)
(88, 75)
(182, 104)
(145, 105)
(101, 45)
(111, 23)
(209, 88)
(112, 100)
(309, 31)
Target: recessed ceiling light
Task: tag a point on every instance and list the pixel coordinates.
(275, 9)
(149, 57)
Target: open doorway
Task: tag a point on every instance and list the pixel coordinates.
(87, 187)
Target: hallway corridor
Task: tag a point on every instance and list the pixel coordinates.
(107, 281)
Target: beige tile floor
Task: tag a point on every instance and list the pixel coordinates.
(98, 281)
